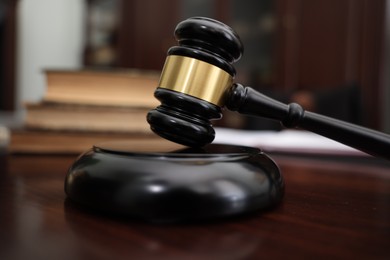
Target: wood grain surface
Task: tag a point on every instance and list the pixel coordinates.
(333, 209)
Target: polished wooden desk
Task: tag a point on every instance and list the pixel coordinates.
(333, 208)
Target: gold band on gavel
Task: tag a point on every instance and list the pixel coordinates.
(195, 78)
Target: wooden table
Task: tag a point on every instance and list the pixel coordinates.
(333, 208)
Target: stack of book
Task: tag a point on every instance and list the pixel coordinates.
(84, 107)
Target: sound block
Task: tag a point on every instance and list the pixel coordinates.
(175, 183)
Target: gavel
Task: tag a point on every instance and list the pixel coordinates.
(197, 83)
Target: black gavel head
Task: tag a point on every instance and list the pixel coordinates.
(194, 81)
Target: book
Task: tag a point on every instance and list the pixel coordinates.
(68, 142)
(4, 137)
(87, 118)
(83, 107)
(102, 87)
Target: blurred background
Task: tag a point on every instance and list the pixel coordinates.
(331, 56)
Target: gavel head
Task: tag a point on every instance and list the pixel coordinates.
(194, 81)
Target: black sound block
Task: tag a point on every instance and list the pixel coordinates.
(172, 184)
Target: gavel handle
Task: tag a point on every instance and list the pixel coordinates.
(248, 101)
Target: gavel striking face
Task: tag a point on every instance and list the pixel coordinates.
(197, 82)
